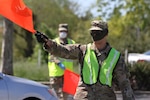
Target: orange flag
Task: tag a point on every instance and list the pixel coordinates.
(71, 80)
(17, 12)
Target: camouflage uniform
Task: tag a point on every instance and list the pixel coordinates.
(56, 80)
(57, 84)
(96, 91)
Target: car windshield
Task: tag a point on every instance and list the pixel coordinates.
(147, 53)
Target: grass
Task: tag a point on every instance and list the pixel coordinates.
(31, 70)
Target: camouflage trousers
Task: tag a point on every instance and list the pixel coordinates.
(57, 84)
(94, 92)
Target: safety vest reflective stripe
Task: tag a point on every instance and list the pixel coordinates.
(54, 69)
(108, 67)
(91, 67)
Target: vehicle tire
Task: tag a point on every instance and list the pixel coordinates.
(32, 98)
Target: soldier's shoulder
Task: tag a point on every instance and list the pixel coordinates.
(83, 47)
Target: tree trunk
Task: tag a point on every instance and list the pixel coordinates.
(28, 51)
(7, 48)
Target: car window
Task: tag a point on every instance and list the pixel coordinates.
(147, 53)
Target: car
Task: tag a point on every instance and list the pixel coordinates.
(139, 57)
(16, 88)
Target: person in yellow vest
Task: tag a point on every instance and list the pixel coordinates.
(56, 65)
(101, 65)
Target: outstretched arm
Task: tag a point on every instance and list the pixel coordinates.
(68, 51)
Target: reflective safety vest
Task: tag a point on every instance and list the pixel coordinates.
(54, 69)
(92, 72)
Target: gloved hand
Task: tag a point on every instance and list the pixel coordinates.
(61, 65)
(41, 37)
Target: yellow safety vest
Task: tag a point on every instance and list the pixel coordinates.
(54, 69)
(92, 72)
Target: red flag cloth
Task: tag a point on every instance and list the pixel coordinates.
(17, 12)
(71, 80)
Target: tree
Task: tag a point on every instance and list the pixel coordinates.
(128, 22)
(7, 48)
(51, 15)
(135, 25)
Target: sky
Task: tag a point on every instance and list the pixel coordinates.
(85, 4)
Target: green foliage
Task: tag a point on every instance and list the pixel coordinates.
(131, 27)
(46, 19)
(31, 70)
(48, 31)
(128, 23)
(82, 35)
(140, 73)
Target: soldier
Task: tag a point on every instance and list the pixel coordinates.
(56, 65)
(100, 63)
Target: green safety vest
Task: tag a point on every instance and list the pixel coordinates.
(92, 72)
(54, 69)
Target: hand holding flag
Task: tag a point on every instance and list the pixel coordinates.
(41, 38)
(17, 12)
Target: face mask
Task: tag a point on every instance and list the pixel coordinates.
(98, 35)
(62, 35)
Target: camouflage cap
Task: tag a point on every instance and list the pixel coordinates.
(98, 25)
(63, 27)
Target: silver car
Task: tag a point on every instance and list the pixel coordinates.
(139, 57)
(15, 88)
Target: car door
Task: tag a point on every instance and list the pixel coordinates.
(3, 89)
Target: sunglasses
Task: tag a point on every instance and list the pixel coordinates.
(95, 32)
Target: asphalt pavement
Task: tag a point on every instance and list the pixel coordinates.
(139, 95)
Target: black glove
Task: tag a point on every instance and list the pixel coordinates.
(41, 37)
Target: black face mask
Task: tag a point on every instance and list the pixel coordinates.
(98, 35)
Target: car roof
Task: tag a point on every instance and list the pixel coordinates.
(147, 52)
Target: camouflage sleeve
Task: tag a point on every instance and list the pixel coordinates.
(70, 51)
(122, 76)
(52, 58)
